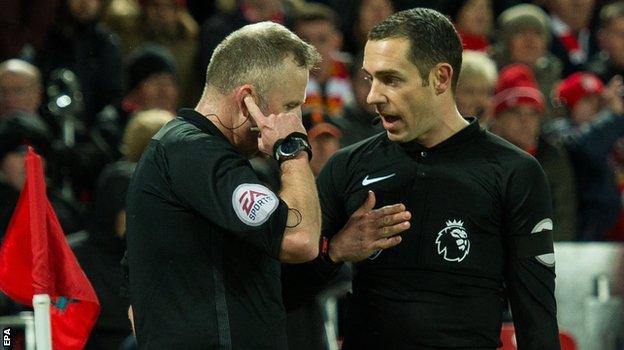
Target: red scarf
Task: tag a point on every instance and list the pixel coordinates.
(577, 50)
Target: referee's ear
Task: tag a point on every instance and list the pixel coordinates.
(241, 93)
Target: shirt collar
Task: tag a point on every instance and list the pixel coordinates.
(200, 121)
(457, 139)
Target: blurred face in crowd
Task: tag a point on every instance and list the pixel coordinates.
(611, 40)
(397, 90)
(476, 17)
(519, 125)
(158, 91)
(162, 13)
(474, 98)
(263, 9)
(527, 46)
(323, 147)
(372, 12)
(575, 13)
(323, 36)
(84, 10)
(586, 109)
(19, 92)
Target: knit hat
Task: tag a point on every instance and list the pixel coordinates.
(516, 85)
(577, 86)
(517, 18)
(146, 61)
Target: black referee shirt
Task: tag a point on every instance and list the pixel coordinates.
(481, 218)
(203, 239)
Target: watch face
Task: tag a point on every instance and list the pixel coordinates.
(289, 146)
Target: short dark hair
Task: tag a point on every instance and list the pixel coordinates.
(611, 12)
(432, 38)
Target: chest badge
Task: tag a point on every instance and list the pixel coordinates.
(452, 241)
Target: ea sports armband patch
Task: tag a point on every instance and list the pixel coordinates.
(254, 203)
(538, 244)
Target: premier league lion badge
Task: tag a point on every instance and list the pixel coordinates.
(453, 243)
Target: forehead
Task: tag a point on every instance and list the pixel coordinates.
(12, 77)
(388, 54)
(289, 83)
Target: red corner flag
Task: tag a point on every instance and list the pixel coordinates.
(36, 259)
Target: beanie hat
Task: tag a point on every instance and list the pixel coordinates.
(517, 18)
(146, 61)
(516, 85)
(576, 86)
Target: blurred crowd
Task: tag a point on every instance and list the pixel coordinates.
(88, 82)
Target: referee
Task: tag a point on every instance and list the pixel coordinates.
(480, 232)
(205, 237)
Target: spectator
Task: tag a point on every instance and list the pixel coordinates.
(324, 137)
(151, 83)
(166, 23)
(329, 88)
(573, 42)
(365, 14)
(20, 87)
(473, 20)
(17, 131)
(475, 87)
(78, 42)
(518, 112)
(140, 130)
(358, 122)
(592, 127)
(151, 80)
(524, 38)
(100, 254)
(610, 60)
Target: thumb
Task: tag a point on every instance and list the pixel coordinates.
(368, 204)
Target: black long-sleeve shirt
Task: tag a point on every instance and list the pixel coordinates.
(480, 232)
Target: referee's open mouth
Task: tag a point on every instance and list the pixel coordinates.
(390, 120)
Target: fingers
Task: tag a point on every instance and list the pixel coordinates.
(254, 110)
(388, 210)
(392, 230)
(393, 219)
(388, 242)
(368, 205)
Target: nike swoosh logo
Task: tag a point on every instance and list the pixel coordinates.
(368, 181)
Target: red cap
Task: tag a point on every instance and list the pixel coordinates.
(324, 128)
(576, 86)
(516, 85)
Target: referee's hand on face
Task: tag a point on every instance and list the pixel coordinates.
(272, 127)
(369, 230)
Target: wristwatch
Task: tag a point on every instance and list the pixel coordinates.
(290, 147)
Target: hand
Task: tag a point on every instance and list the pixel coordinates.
(612, 95)
(369, 230)
(273, 127)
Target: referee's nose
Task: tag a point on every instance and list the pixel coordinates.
(375, 97)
